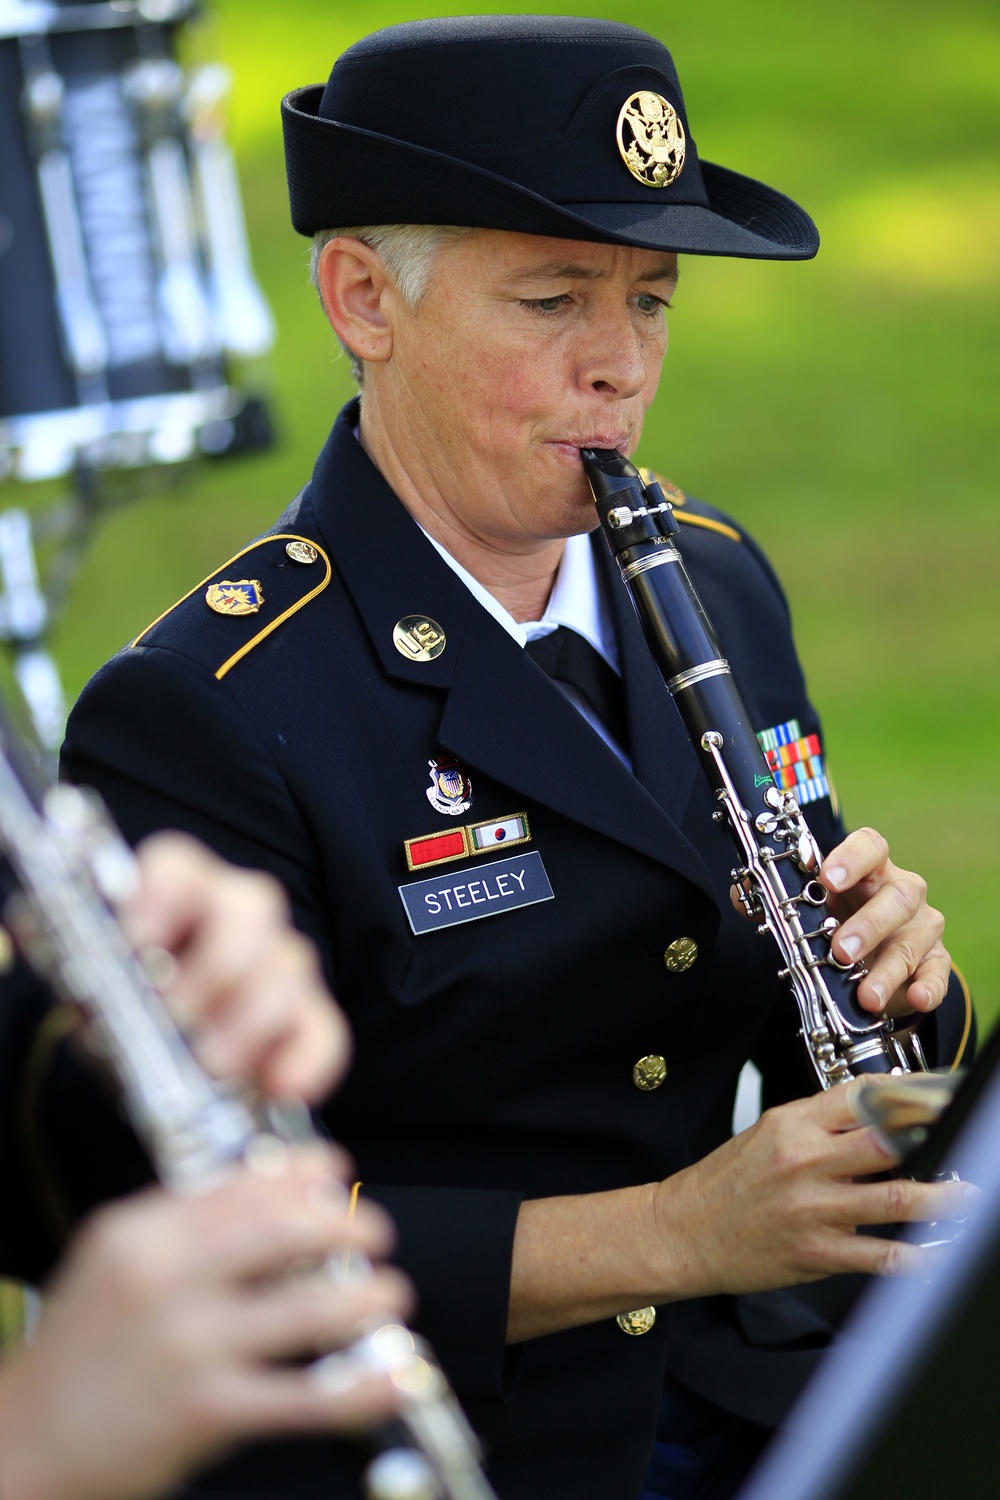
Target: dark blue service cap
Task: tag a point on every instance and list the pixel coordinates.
(540, 124)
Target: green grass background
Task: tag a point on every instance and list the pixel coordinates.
(844, 409)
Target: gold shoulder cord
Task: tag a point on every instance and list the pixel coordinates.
(968, 1019)
(273, 625)
(352, 1208)
(677, 498)
(709, 525)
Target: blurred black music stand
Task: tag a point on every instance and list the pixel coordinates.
(905, 1404)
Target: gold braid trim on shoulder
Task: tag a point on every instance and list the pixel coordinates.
(352, 1208)
(677, 497)
(710, 525)
(673, 492)
(51, 1196)
(967, 1029)
(284, 536)
(285, 614)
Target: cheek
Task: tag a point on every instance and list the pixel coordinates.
(653, 352)
(509, 393)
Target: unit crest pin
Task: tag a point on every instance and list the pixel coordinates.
(450, 790)
(244, 597)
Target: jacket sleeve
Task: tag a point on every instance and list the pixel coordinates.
(64, 1145)
(168, 747)
(28, 1239)
(457, 1245)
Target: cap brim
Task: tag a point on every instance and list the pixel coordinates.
(744, 218)
(341, 175)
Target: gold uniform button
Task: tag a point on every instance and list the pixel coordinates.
(639, 1321)
(680, 955)
(649, 1072)
(302, 552)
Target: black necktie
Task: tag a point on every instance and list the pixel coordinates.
(567, 657)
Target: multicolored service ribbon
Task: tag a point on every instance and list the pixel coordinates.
(796, 760)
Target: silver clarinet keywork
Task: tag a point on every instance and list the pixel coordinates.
(778, 859)
(72, 868)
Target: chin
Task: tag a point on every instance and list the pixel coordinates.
(575, 520)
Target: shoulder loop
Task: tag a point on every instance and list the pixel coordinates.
(673, 492)
(284, 536)
(966, 1030)
(352, 1208)
(286, 614)
(710, 525)
(677, 497)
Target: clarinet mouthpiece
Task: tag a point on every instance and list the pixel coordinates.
(609, 472)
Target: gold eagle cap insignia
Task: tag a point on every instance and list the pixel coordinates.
(651, 139)
(244, 597)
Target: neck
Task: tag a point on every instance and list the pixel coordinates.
(518, 573)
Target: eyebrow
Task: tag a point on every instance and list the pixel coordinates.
(569, 271)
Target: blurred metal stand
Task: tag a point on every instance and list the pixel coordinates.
(24, 616)
(129, 314)
(904, 1403)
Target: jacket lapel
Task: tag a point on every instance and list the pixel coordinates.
(500, 713)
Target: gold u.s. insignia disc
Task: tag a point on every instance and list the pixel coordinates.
(418, 638)
(638, 1322)
(651, 139)
(244, 597)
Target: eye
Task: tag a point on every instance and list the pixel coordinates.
(545, 306)
(650, 304)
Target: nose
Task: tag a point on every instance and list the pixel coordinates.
(614, 363)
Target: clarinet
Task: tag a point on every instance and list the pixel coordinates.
(72, 869)
(778, 858)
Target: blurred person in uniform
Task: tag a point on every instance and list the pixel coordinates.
(423, 702)
(167, 1333)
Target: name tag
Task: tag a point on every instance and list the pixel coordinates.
(466, 895)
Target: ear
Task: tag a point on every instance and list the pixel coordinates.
(356, 293)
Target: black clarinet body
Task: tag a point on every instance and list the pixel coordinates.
(778, 858)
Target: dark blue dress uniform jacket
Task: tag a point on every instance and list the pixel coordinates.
(493, 1059)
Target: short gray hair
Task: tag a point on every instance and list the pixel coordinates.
(407, 251)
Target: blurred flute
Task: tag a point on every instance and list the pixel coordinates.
(72, 868)
(778, 857)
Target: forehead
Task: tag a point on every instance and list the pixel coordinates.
(502, 256)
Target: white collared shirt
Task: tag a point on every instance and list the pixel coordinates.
(576, 601)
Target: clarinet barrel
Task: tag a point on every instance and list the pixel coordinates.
(778, 859)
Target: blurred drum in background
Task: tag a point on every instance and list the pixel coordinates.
(129, 312)
(126, 291)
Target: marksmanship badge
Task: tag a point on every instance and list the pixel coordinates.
(450, 790)
(244, 597)
(651, 139)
